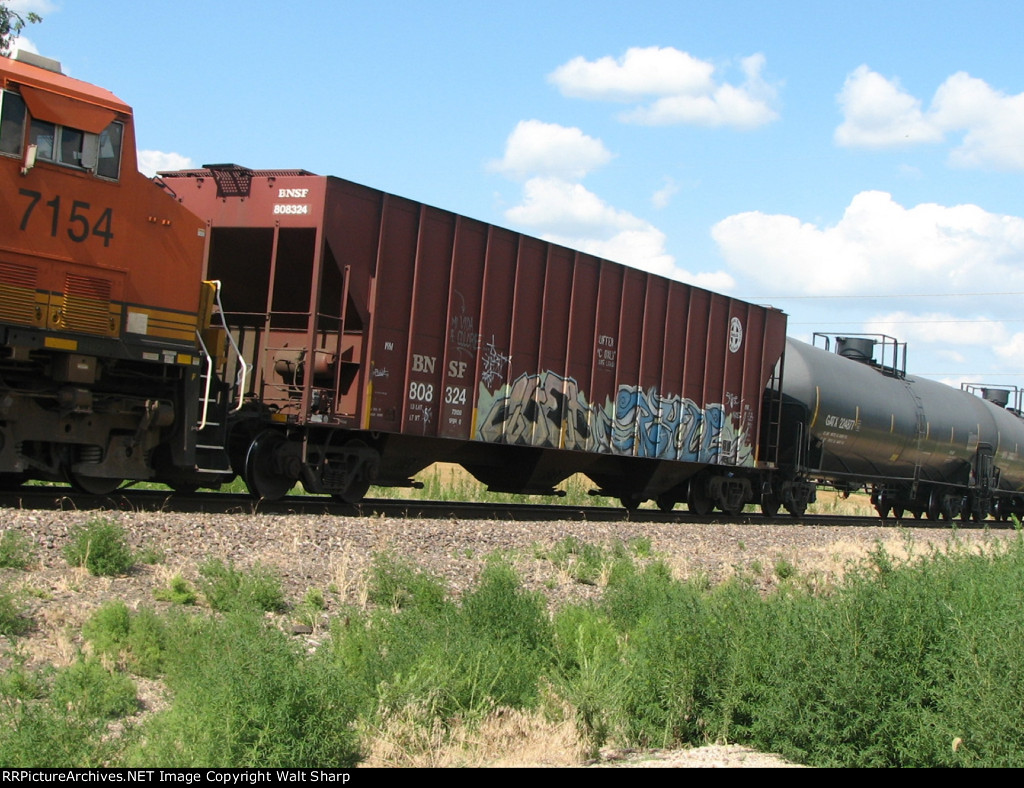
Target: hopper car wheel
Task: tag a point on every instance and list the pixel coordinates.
(883, 511)
(666, 502)
(11, 481)
(631, 502)
(357, 487)
(770, 506)
(354, 494)
(262, 476)
(698, 501)
(897, 512)
(92, 485)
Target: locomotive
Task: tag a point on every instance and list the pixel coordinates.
(289, 328)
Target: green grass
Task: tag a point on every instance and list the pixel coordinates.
(906, 662)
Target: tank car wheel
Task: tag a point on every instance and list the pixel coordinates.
(698, 501)
(897, 513)
(92, 485)
(262, 476)
(666, 503)
(797, 510)
(770, 506)
(883, 512)
(631, 502)
(934, 505)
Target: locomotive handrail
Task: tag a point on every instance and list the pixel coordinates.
(243, 373)
(209, 378)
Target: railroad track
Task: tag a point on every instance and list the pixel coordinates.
(128, 499)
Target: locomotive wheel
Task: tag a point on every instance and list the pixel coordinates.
(92, 485)
(698, 501)
(262, 473)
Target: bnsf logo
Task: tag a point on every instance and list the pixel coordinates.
(423, 363)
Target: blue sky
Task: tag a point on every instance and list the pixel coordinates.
(859, 165)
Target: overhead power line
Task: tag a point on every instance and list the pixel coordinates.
(760, 299)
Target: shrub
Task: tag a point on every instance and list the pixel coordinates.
(89, 690)
(15, 551)
(245, 695)
(398, 584)
(137, 639)
(36, 735)
(101, 547)
(12, 620)
(229, 589)
(178, 591)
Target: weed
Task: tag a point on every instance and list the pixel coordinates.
(89, 689)
(229, 589)
(15, 551)
(12, 619)
(178, 592)
(135, 639)
(784, 569)
(101, 547)
(150, 555)
(398, 584)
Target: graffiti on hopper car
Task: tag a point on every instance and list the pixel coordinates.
(550, 410)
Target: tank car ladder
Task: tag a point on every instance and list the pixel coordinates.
(217, 400)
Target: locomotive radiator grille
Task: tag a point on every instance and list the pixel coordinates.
(86, 305)
(18, 293)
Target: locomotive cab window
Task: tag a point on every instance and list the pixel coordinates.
(12, 123)
(108, 164)
(57, 142)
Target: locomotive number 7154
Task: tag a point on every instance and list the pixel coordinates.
(78, 220)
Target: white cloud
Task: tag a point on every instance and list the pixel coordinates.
(946, 328)
(663, 196)
(992, 121)
(23, 44)
(1011, 349)
(878, 113)
(24, 7)
(153, 161)
(878, 246)
(568, 214)
(682, 89)
(537, 148)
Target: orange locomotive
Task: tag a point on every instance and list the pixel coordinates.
(100, 294)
